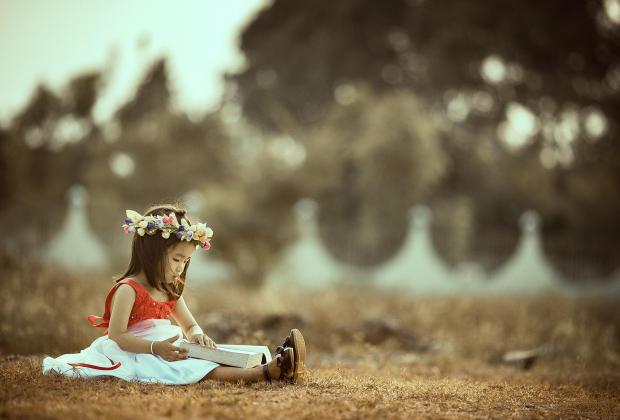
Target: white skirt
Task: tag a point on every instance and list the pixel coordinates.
(105, 358)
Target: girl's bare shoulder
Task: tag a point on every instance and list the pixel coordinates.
(124, 294)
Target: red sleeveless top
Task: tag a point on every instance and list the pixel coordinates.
(145, 307)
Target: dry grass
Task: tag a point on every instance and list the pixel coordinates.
(369, 354)
(364, 390)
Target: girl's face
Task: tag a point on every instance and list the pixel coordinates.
(176, 259)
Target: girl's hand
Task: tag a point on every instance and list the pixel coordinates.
(203, 340)
(167, 351)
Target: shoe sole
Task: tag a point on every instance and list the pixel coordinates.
(299, 349)
(282, 374)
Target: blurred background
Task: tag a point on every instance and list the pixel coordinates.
(360, 144)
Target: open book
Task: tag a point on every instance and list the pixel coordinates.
(223, 355)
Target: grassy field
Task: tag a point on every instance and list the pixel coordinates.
(370, 354)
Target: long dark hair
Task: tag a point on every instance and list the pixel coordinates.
(148, 253)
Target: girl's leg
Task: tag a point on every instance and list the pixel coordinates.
(234, 374)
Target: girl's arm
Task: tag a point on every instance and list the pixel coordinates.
(183, 316)
(122, 302)
(188, 324)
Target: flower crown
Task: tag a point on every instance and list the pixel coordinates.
(168, 225)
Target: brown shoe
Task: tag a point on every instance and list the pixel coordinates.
(286, 362)
(296, 341)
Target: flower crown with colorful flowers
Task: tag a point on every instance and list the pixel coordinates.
(168, 225)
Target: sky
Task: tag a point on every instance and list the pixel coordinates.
(45, 41)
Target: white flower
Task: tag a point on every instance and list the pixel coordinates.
(208, 232)
(133, 215)
(165, 235)
(143, 224)
(141, 231)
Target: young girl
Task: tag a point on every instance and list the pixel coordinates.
(140, 343)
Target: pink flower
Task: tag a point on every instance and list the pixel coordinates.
(206, 246)
(125, 228)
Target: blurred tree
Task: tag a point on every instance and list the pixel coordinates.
(429, 47)
(43, 105)
(479, 67)
(154, 154)
(82, 93)
(54, 132)
(368, 163)
(171, 153)
(8, 178)
(151, 98)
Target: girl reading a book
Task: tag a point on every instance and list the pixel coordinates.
(140, 342)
